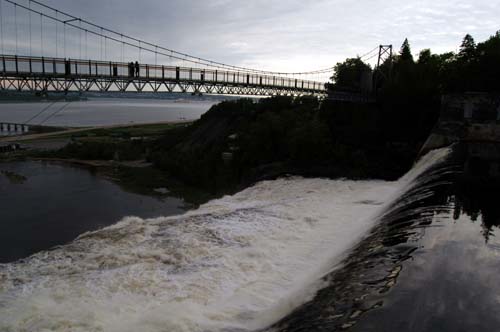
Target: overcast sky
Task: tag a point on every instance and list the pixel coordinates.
(291, 35)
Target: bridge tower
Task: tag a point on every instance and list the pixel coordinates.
(384, 54)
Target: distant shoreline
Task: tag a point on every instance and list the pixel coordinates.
(74, 130)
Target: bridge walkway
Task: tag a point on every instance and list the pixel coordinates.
(43, 74)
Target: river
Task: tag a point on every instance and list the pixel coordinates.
(429, 264)
(239, 263)
(105, 111)
(45, 204)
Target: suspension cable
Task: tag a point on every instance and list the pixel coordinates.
(37, 114)
(371, 57)
(143, 48)
(194, 58)
(368, 53)
(184, 57)
(53, 114)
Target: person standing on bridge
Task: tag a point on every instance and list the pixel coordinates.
(67, 67)
(137, 69)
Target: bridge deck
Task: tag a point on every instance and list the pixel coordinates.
(55, 74)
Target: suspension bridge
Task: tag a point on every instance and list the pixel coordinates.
(44, 49)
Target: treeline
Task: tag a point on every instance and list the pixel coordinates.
(409, 90)
(476, 67)
(239, 142)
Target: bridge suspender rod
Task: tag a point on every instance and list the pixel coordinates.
(57, 38)
(80, 39)
(195, 59)
(123, 46)
(100, 44)
(29, 5)
(1, 30)
(68, 22)
(41, 34)
(86, 46)
(15, 23)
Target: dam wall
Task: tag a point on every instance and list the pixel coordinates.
(473, 121)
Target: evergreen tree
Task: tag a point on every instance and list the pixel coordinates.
(406, 51)
(467, 49)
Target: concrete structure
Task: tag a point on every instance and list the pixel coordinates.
(473, 120)
(8, 129)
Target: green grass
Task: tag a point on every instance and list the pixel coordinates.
(155, 129)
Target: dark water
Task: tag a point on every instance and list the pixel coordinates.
(432, 264)
(43, 205)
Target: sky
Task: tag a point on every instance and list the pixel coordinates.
(278, 35)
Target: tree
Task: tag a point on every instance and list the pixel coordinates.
(405, 52)
(487, 65)
(351, 74)
(467, 51)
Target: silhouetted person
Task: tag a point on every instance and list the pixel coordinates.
(137, 69)
(131, 69)
(67, 67)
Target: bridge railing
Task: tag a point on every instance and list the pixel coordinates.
(59, 67)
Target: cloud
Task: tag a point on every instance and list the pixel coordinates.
(287, 35)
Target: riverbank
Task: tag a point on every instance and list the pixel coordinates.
(117, 153)
(46, 204)
(236, 144)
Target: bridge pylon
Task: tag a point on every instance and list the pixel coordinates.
(384, 54)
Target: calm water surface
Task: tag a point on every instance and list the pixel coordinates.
(104, 111)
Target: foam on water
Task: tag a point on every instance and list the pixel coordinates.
(237, 263)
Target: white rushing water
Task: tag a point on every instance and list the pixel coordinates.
(237, 263)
